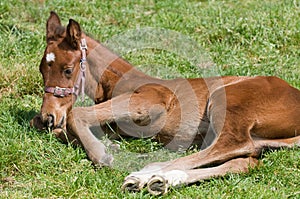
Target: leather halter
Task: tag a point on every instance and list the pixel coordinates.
(63, 92)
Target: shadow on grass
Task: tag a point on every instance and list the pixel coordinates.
(24, 116)
(21, 115)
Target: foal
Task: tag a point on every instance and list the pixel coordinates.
(232, 118)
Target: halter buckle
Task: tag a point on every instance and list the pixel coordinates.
(82, 65)
(59, 92)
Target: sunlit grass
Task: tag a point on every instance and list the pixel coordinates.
(240, 37)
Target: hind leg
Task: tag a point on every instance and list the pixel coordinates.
(261, 143)
(159, 184)
(233, 140)
(219, 152)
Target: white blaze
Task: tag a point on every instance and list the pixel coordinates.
(50, 57)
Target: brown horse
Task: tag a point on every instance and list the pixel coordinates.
(232, 118)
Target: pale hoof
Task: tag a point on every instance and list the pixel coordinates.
(157, 185)
(132, 184)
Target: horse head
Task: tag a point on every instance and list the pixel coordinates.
(62, 68)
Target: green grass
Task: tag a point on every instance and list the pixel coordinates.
(248, 37)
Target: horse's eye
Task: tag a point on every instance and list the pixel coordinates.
(68, 71)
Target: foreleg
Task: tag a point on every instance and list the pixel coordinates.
(121, 110)
(79, 122)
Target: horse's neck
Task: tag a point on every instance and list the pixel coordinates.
(105, 70)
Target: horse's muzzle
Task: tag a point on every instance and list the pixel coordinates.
(52, 122)
(47, 122)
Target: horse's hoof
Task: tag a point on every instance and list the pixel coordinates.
(157, 185)
(132, 184)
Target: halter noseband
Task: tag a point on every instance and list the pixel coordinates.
(59, 92)
(62, 92)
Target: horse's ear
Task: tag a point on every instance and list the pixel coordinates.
(53, 24)
(73, 34)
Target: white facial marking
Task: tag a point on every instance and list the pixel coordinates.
(50, 57)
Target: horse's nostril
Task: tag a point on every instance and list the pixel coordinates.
(60, 124)
(50, 120)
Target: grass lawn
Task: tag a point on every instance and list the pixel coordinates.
(249, 37)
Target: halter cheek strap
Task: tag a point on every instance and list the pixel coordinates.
(81, 76)
(80, 82)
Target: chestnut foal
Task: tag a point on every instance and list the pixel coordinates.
(232, 118)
